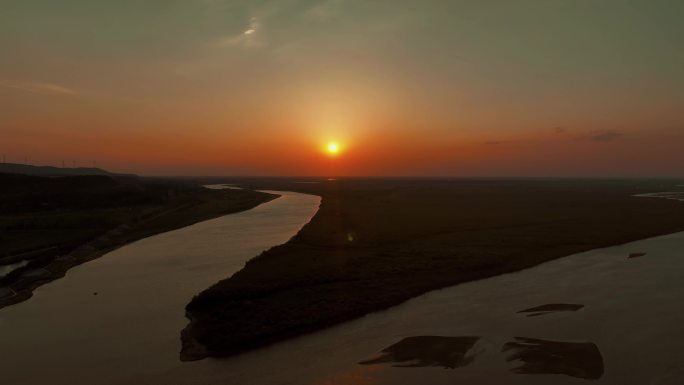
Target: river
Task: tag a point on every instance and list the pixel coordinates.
(622, 323)
(120, 316)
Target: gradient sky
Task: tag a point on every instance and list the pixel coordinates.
(407, 87)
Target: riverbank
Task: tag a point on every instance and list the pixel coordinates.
(128, 332)
(376, 243)
(50, 225)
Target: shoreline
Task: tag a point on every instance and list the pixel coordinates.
(318, 280)
(193, 350)
(23, 286)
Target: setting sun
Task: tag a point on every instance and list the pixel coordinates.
(333, 148)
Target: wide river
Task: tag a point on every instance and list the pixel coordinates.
(629, 330)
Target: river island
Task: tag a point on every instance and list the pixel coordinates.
(375, 243)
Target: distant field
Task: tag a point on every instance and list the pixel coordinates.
(376, 243)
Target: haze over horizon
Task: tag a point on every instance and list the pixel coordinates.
(434, 88)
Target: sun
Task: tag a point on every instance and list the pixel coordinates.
(333, 148)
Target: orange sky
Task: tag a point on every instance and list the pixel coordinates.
(536, 88)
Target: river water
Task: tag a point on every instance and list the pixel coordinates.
(624, 326)
(120, 316)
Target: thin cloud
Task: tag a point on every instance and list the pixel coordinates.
(559, 130)
(323, 11)
(38, 87)
(247, 38)
(605, 136)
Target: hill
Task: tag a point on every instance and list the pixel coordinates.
(27, 169)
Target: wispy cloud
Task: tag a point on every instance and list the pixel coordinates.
(559, 130)
(249, 37)
(324, 10)
(38, 87)
(605, 136)
(255, 30)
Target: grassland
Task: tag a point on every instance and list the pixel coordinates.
(376, 243)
